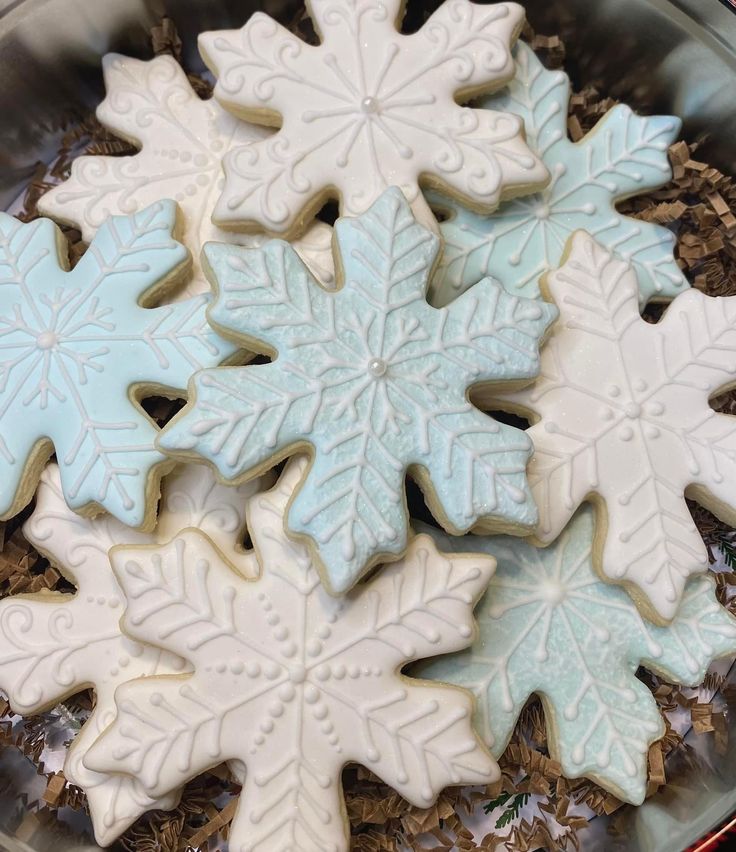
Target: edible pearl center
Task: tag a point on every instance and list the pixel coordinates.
(370, 105)
(377, 367)
(542, 211)
(633, 410)
(46, 340)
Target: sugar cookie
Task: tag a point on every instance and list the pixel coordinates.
(368, 109)
(549, 625)
(624, 420)
(625, 154)
(373, 381)
(183, 140)
(293, 682)
(54, 644)
(78, 351)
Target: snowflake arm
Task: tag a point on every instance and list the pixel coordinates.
(623, 155)
(384, 105)
(373, 381)
(495, 335)
(350, 507)
(182, 141)
(295, 698)
(550, 626)
(76, 348)
(713, 448)
(267, 296)
(624, 419)
(563, 472)
(226, 413)
(491, 470)
(34, 249)
(46, 657)
(56, 645)
(115, 801)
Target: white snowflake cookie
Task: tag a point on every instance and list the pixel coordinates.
(367, 109)
(622, 417)
(80, 348)
(374, 382)
(183, 140)
(625, 154)
(292, 682)
(549, 625)
(53, 644)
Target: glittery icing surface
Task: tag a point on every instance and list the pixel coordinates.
(375, 381)
(549, 625)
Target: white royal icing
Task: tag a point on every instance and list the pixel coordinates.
(375, 380)
(625, 154)
(183, 140)
(624, 418)
(292, 682)
(367, 109)
(55, 644)
(549, 625)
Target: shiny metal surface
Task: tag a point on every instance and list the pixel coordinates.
(664, 55)
(668, 55)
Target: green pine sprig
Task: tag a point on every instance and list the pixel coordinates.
(728, 549)
(512, 804)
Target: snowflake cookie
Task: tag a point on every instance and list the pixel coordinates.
(623, 155)
(624, 420)
(549, 625)
(374, 381)
(293, 682)
(80, 350)
(367, 109)
(183, 140)
(54, 644)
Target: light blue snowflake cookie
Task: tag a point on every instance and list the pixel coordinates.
(625, 154)
(550, 626)
(373, 382)
(77, 349)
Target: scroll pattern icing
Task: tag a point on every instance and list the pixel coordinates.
(183, 140)
(57, 644)
(368, 109)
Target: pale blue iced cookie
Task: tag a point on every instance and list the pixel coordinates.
(373, 382)
(550, 626)
(77, 350)
(625, 154)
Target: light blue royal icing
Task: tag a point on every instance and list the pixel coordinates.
(550, 626)
(75, 346)
(623, 155)
(373, 381)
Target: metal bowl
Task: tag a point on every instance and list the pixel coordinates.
(675, 56)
